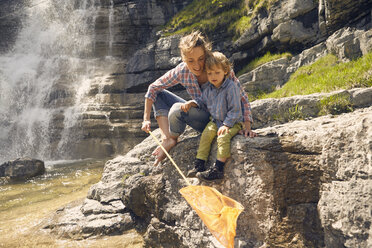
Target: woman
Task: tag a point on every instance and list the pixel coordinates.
(167, 106)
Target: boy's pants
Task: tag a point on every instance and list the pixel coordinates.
(223, 141)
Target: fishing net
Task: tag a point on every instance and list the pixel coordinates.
(218, 212)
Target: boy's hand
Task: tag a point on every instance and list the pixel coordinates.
(222, 130)
(186, 106)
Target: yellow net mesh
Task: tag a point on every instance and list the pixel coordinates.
(218, 212)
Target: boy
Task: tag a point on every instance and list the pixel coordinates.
(222, 99)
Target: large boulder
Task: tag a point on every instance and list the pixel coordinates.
(303, 184)
(22, 168)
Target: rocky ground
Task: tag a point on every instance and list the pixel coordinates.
(305, 183)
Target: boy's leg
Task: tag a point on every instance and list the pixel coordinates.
(205, 143)
(223, 153)
(206, 139)
(224, 141)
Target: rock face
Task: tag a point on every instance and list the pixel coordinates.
(132, 56)
(129, 52)
(22, 168)
(139, 54)
(296, 25)
(303, 184)
(346, 43)
(10, 22)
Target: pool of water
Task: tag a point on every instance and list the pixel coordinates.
(24, 205)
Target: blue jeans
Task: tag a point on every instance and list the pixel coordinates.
(169, 104)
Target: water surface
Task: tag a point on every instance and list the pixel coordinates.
(24, 205)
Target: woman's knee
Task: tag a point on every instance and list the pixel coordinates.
(176, 123)
(175, 110)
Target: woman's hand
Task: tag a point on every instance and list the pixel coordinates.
(222, 130)
(187, 105)
(146, 126)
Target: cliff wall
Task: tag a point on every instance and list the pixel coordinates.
(306, 28)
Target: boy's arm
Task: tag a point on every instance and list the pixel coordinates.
(246, 109)
(187, 105)
(246, 106)
(234, 108)
(201, 101)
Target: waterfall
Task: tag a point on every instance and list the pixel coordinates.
(44, 78)
(111, 20)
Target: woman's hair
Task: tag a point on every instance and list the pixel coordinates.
(195, 39)
(218, 59)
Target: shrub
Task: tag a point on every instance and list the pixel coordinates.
(336, 104)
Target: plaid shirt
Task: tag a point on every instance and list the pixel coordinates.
(223, 103)
(182, 75)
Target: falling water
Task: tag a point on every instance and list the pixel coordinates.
(44, 78)
(111, 20)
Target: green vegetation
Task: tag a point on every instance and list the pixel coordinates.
(125, 177)
(262, 60)
(336, 104)
(257, 94)
(205, 15)
(326, 75)
(293, 113)
(211, 15)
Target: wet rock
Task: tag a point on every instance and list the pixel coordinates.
(76, 221)
(22, 168)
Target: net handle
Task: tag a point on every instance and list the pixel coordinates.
(170, 158)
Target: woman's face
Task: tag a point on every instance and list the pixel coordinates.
(195, 60)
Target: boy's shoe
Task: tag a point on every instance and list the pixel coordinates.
(199, 166)
(212, 174)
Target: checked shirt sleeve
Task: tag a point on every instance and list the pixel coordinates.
(169, 79)
(246, 106)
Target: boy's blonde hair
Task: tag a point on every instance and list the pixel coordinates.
(218, 59)
(195, 39)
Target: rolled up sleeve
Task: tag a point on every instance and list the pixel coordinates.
(169, 79)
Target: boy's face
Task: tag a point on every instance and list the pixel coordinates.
(216, 75)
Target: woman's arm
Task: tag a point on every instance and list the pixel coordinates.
(146, 124)
(172, 77)
(169, 79)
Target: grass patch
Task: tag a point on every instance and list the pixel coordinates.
(211, 15)
(262, 60)
(326, 75)
(293, 113)
(205, 15)
(336, 104)
(258, 93)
